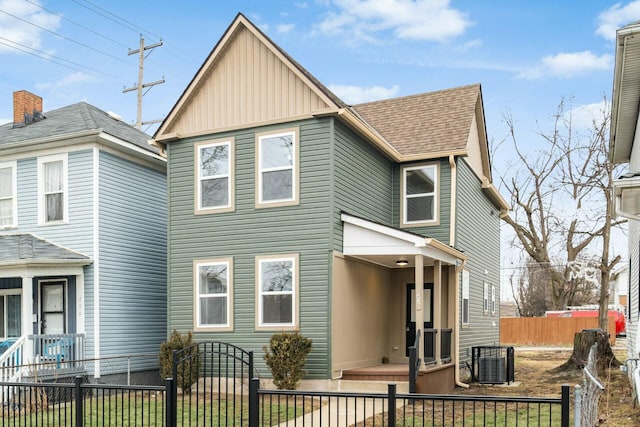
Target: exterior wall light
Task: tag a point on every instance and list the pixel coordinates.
(402, 263)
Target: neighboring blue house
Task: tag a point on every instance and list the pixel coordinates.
(82, 237)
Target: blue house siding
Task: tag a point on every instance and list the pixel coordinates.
(132, 248)
(478, 236)
(249, 232)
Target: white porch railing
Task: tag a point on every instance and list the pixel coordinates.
(56, 351)
(11, 361)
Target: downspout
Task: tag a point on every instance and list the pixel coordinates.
(452, 218)
(457, 338)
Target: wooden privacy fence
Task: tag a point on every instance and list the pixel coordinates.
(548, 330)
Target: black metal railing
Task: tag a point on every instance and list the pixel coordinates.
(493, 364)
(430, 346)
(395, 409)
(414, 363)
(445, 345)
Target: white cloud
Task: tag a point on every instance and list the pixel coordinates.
(4, 121)
(285, 28)
(14, 28)
(358, 95)
(67, 81)
(407, 19)
(471, 44)
(615, 17)
(567, 65)
(585, 116)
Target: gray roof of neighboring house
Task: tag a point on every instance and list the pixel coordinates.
(27, 247)
(72, 119)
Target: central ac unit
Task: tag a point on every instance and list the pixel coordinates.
(491, 370)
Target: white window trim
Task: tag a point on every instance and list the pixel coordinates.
(295, 309)
(295, 169)
(465, 296)
(14, 193)
(436, 195)
(493, 299)
(230, 206)
(65, 188)
(197, 326)
(4, 293)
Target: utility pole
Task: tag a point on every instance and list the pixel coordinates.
(140, 86)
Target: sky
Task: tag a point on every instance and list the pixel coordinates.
(527, 55)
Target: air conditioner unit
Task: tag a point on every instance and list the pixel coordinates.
(491, 370)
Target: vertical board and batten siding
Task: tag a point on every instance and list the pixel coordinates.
(77, 234)
(132, 247)
(249, 232)
(249, 83)
(440, 231)
(478, 236)
(362, 181)
(633, 323)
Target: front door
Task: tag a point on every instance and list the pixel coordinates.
(427, 307)
(52, 307)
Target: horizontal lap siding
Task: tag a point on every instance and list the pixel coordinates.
(78, 233)
(441, 230)
(132, 257)
(478, 236)
(248, 232)
(362, 181)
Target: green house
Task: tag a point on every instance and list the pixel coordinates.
(293, 211)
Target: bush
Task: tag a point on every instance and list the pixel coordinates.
(189, 369)
(285, 358)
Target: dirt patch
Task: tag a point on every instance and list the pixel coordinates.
(533, 378)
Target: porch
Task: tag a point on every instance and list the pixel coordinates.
(380, 311)
(42, 356)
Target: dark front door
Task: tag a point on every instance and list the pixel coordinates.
(52, 307)
(427, 307)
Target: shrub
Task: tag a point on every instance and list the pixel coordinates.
(285, 357)
(189, 369)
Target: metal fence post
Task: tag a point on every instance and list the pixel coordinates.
(391, 410)
(254, 412)
(577, 413)
(79, 401)
(171, 402)
(565, 406)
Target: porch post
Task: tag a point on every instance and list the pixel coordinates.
(437, 308)
(419, 310)
(27, 316)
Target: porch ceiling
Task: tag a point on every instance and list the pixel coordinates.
(384, 245)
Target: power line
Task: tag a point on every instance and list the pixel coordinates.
(64, 37)
(41, 57)
(46, 55)
(60, 15)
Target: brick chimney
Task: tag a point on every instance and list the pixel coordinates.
(25, 106)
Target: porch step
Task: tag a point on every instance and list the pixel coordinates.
(391, 372)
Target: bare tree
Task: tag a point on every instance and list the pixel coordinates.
(561, 201)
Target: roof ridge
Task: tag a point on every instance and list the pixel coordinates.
(417, 95)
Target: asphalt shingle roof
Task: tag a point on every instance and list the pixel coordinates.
(75, 118)
(425, 123)
(27, 247)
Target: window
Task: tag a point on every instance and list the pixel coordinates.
(10, 313)
(486, 297)
(8, 192)
(277, 160)
(213, 290)
(465, 297)
(52, 189)
(215, 176)
(493, 300)
(277, 289)
(419, 195)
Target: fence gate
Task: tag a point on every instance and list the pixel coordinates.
(211, 386)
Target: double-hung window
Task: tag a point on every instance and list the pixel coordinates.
(277, 168)
(10, 313)
(213, 291)
(277, 292)
(493, 300)
(419, 204)
(8, 192)
(486, 297)
(52, 189)
(465, 297)
(215, 176)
